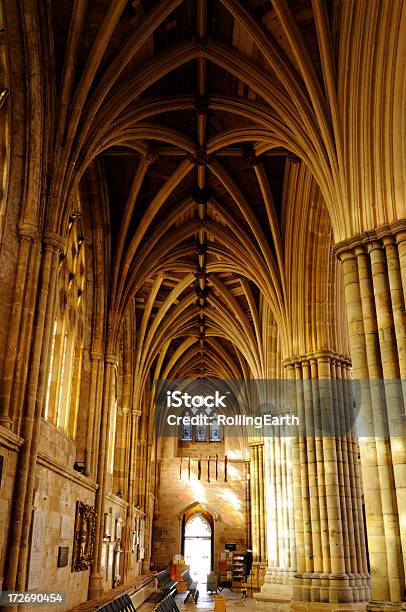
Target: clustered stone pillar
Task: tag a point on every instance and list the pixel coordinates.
(257, 490)
(19, 336)
(281, 549)
(93, 423)
(131, 490)
(331, 558)
(247, 503)
(15, 575)
(96, 578)
(374, 266)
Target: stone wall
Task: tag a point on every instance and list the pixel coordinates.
(58, 487)
(116, 509)
(9, 446)
(178, 492)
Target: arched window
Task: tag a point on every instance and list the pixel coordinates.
(186, 431)
(215, 430)
(201, 433)
(197, 527)
(65, 364)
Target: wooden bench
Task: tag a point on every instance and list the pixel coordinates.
(165, 583)
(191, 587)
(168, 604)
(120, 604)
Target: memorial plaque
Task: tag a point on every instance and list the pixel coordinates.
(36, 549)
(63, 556)
(65, 532)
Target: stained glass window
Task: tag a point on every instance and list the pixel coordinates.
(215, 430)
(186, 431)
(201, 433)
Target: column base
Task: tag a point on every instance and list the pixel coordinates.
(261, 573)
(277, 587)
(327, 588)
(145, 569)
(257, 576)
(386, 606)
(276, 593)
(317, 606)
(95, 590)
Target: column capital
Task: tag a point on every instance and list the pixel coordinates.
(346, 248)
(372, 239)
(388, 240)
(394, 228)
(290, 362)
(315, 357)
(375, 244)
(110, 359)
(28, 231)
(400, 236)
(254, 444)
(53, 241)
(332, 356)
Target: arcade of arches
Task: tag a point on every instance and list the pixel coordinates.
(213, 189)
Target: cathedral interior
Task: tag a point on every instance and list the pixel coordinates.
(203, 190)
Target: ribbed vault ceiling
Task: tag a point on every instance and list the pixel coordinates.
(194, 116)
(201, 207)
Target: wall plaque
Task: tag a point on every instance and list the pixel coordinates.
(36, 549)
(65, 528)
(108, 520)
(84, 534)
(63, 556)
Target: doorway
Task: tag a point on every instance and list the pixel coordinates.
(197, 545)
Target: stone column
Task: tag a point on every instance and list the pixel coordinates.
(20, 320)
(279, 451)
(247, 503)
(254, 502)
(257, 502)
(374, 266)
(131, 490)
(97, 366)
(326, 487)
(21, 513)
(96, 579)
(150, 496)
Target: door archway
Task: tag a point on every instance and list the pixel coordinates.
(197, 543)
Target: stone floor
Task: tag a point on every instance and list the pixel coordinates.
(233, 599)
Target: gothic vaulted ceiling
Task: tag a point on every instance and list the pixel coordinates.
(210, 129)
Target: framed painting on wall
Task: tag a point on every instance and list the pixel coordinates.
(84, 536)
